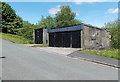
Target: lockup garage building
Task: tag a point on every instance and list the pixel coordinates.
(77, 36)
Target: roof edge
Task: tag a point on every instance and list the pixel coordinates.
(91, 26)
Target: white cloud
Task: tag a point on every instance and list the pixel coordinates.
(54, 10)
(58, 6)
(77, 13)
(76, 1)
(57, 9)
(90, 1)
(112, 11)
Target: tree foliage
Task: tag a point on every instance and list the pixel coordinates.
(115, 32)
(27, 30)
(65, 17)
(10, 21)
(47, 22)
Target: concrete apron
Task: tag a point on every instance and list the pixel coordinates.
(58, 50)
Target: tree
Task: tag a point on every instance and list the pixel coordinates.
(65, 17)
(74, 22)
(47, 22)
(10, 21)
(115, 33)
(0, 17)
(27, 30)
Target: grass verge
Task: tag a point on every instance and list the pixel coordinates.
(110, 53)
(41, 45)
(15, 38)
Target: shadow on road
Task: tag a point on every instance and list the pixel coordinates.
(3, 57)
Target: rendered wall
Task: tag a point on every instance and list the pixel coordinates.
(45, 36)
(95, 38)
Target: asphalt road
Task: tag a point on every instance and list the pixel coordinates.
(0, 59)
(24, 63)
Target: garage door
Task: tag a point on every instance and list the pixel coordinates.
(51, 40)
(76, 39)
(65, 39)
(38, 36)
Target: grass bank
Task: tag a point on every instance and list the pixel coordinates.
(110, 53)
(15, 38)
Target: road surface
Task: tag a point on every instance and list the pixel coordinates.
(24, 63)
(0, 59)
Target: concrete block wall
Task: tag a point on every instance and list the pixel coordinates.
(95, 38)
(45, 36)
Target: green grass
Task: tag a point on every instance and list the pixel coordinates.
(110, 53)
(41, 45)
(15, 38)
